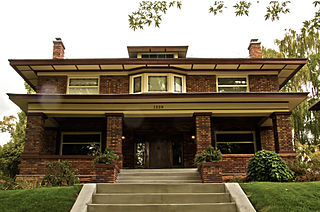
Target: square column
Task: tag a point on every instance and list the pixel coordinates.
(282, 132)
(267, 138)
(114, 134)
(35, 133)
(203, 130)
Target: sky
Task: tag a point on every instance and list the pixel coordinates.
(100, 29)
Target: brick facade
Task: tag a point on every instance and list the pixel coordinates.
(267, 138)
(282, 132)
(211, 172)
(114, 134)
(114, 84)
(50, 141)
(52, 85)
(203, 130)
(263, 83)
(198, 84)
(35, 133)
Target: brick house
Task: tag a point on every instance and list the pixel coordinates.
(156, 109)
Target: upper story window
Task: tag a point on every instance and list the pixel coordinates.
(83, 85)
(158, 55)
(232, 84)
(162, 82)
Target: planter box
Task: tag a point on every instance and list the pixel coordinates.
(211, 172)
(104, 173)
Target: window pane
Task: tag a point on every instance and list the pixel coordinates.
(83, 90)
(232, 89)
(136, 84)
(236, 148)
(157, 83)
(178, 84)
(79, 149)
(83, 82)
(232, 81)
(234, 137)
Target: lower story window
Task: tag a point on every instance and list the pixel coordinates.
(236, 142)
(84, 143)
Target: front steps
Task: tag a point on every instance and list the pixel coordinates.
(155, 190)
(159, 176)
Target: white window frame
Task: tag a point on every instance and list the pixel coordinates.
(254, 142)
(78, 133)
(145, 82)
(217, 82)
(80, 77)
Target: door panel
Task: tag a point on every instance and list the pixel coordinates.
(159, 153)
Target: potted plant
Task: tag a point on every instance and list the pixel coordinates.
(106, 157)
(209, 165)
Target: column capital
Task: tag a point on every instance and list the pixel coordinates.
(203, 114)
(114, 114)
(280, 113)
(37, 114)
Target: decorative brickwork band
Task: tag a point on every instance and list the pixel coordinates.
(114, 134)
(203, 130)
(267, 138)
(35, 133)
(282, 132)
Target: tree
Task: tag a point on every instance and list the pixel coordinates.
(152, 11)
(303, 44)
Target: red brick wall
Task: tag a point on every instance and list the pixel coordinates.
(263, 83)
(50, 141)
(282, 132)
(52, 85)
(201, 84)
(203, 130)
(114, 84)
(35, 133)
(267, 138)
(114, 134)
(211, 172)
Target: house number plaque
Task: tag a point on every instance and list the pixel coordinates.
(158, 107)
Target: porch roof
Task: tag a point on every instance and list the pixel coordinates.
(160, 105)
(284, 68)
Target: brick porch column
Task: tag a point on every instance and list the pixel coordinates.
(35, 133)
(267, 138)
(203, 130)
(282, 132)
(114, 134)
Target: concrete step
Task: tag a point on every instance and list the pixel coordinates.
(184, 170)
(141, 181)
(161, 188)
(203, 207)
(158, 173)
(147, 177)
(160, 198)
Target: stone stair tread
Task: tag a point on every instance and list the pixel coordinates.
(185, 204)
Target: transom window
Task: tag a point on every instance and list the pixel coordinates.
(80, 143)
(232, 84)
(83, 86)
(235, 142)
(151, 82)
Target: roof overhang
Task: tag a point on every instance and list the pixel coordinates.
(29, 70)
(155, 105)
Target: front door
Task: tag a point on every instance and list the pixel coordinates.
(159, 153)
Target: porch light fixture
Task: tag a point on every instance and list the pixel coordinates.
(193, 137)
(123, 137)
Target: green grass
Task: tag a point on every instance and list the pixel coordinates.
(271, 197)
(39, 199)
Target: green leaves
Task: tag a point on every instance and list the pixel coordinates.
(211, 154)
(242, 8)
(217, 7)
(107, 157)
(150, 12)
(275, 8)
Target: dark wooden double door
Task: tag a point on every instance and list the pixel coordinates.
(159, 151)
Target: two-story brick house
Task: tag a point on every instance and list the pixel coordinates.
(156, 109)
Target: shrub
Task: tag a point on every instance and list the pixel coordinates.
(211, 154)
(315, 160)
(107, 157)
(303, 171)
(59, 173)
(268, 166)
(7, 183)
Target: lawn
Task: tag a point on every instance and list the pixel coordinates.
(275, 197)
(40, 199)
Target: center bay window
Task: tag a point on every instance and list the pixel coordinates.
(157, 83)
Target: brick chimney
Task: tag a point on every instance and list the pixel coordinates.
(255, 49)
(58, 49)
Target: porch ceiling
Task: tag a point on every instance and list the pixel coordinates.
(160, 105)
(29, 70)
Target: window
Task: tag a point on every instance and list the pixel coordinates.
(137, 84)
(157, 83)
(177, 83)
(73, 143)
(235, 142)
(157, 55)
(83, 86)
(232, 84)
